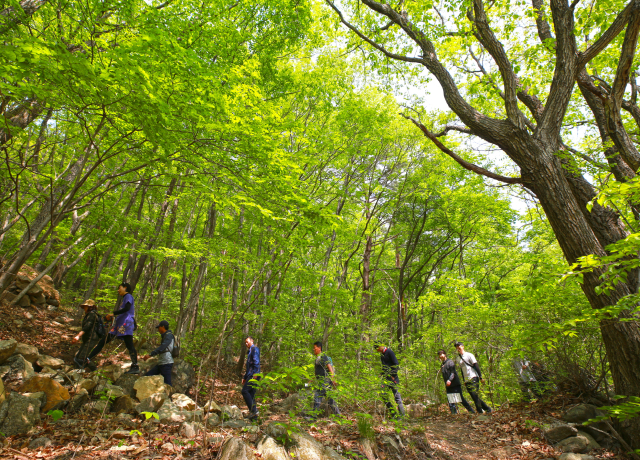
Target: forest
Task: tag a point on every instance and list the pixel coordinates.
(346, 171)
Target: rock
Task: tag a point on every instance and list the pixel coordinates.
(416, 410)
(54, 391)
(112, 372)
(235, 449)
(87, 384)
(146, 386)
(77, 402)
(24, 301)
(591, 443)
(151, 404)
(121, 434)
(581, 413)
(368, 448)
(126, 420)
(390, 443)
(169, 413)
(41, 396)
(231, 413)
(22, 281)
(290, 403)
(53, 302)
(189, 430)
(40, 442)
(37, 299)
(18, 414)
(20, 370)
(49, 361)
(28, 352)
(270, 450)
(211, 406)
(29, 316)
(571, 456)
(126, 382)
(123, 404)
(305, 447)
(253, 429)
(213, 420)
(7, 297)
(234, 424)
(7, 348)
(276, 430)
(47, 370)
(573, 444)
(183, 376)
(597, 430)
(558, 432)
(183, 402)
(99, 407)
(109, 391)
(35, 290)
(167, 447)
(52, 308)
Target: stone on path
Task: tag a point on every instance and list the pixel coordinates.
(151, 404)
(558, 432)
(7, 347)
(87, 384)
(112, 372)
(571, 456)
(126, 382)
(28, 352)
(122, 404)
(235, 449)
(213, 420)
(183, 402)
(183, 376)
(20, 370)
(581, 413)
(305, 447)
(575, 444)
(148, 385)
(50, 361)
(231, 413)
(77, 402)
(109, 390)
(54, 391)
(189, 430)
(211, 406)
(18, 414)
(41, 396)
(269, 449)
(591, 443)
(40, 442)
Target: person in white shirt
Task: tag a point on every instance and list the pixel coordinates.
(472, 376)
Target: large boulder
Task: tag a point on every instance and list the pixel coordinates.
(235, 449)
(211, 406)
(7, 348)
(231, 413)
(269, 449)
(148, 385)
(18, 414)
(151, 404)
(305, 447)
(126, 382)
(183, 376)
(581, 413)
(87, 384)
(558, 432)
(41, 396)
(28, 352)
(123, 405)
(20, 370)
(112, 372)
(575, 444)
(183, 402)
(50, 361)
(170, 413)
(591, 443)
(54, 391)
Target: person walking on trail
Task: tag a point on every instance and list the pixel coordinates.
(452, 383)
(163, 352)
(325, 379)
(249, 387)
(390, 366)
(92, 331)
(123, 327)
(472, 375)
(526, 379)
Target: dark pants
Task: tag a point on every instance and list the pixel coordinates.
(392, 385)
(128, 342)
(473, 386)
(81, 356)
(321, 393)
(249, 395)
(453, 407)
(163, 370)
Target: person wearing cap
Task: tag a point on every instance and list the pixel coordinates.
(472, 375)
(163, 352)
(452, 384)
(88, 334)
(390, 378)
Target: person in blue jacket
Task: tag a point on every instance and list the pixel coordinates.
(249, 387)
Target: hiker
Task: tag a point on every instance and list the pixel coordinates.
(123, 327)
(452, 383)
(325, 379)
(472, 375)
(163, 352)
(253, 368)
(390, 378)
(92, 331)
(526, 379)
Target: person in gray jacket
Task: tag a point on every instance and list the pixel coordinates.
(163, 352)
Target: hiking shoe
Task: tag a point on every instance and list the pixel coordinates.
(92, 367)
(134, 369)
(254, 416)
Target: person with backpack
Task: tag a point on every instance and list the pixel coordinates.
(92, 331)
(390, 366)
(472, 375)
(325, 379)
(165, 353)
(122, 328)
(452, 383)
(249, 387)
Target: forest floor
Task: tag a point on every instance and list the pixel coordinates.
(510, 433)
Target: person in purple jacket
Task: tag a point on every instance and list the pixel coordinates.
(122, 329)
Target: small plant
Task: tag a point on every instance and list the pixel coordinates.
(148, 415)
(365, 425)
(55, 414)
(136, 432)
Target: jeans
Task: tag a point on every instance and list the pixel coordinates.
(163, 370)
(473, 386)
(128, 342)
(249, 395)
(392, 384)
(453, 407)
(321, 392)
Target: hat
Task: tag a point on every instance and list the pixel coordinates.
(164, 324)
(89, 303)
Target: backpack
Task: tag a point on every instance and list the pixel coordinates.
(99, 327)
(175, 351)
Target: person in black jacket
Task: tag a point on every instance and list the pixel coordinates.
(390, 378)
(88, 334)
(452, 384)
